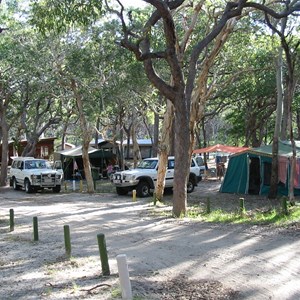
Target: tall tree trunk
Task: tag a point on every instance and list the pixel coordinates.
(4, 154)
(128, 133)
(292, 170)
(30, 148)
(289, 95)
(155, 135)
(85, 141)
(135, 147)
(274, 172)
(298, 124)
(164, 148)
(122, 161)
(202, 90)
(182, 154)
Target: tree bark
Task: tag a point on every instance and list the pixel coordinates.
(135, 147)
(155, 135)
(4, 154)
(164, 148)
(86, 138)
(182, 156)
(274, 171)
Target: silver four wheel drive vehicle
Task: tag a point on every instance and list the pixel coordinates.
(144, 177)
(34, 174)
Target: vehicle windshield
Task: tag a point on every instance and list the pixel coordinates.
(147, 164)
(37, 164)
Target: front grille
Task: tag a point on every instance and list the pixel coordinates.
(45, 180)
(48, 178)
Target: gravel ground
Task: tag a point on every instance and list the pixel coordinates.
(167, 258)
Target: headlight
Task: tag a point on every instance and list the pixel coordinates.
(129, 177)
(117, 176)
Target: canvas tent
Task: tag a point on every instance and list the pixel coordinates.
(249, 171)
(72, 159)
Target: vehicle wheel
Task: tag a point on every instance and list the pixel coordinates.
(122, 191)
(56, 189)
(143, 189)
(190, 185)
(15, 185)
(28, 187)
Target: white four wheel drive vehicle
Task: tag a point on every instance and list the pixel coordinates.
(144, 177)
(34, 174)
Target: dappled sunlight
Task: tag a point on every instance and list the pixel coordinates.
(156, 246)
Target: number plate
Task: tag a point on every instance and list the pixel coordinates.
(47, 180)
(117, 181)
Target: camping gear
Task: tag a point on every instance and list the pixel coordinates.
(249, 171)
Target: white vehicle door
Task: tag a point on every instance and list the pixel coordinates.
(170, 173)
(19, 171)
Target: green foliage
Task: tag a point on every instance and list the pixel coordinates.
(251, 94)
(58, 16)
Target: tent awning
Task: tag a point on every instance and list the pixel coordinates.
(77, 151)
(220, 148)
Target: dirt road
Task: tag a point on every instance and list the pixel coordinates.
(205, 261)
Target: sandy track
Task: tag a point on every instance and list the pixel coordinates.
(256, 262)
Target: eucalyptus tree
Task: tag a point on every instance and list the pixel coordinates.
(286, 86)
(19, 81)
(140, 42)
(248, 102)
(78, 65)
(181, 88)
(44, 109)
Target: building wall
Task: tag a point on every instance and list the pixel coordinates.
(44, 149)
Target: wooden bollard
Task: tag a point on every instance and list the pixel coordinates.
(124, 277)
(11, 220)
(242, 207)
(134, 195)
(208, 209)
(35, 229)
(103, 254)
(67, 237)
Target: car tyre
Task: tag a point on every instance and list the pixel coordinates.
(27, 186)
(190, 186)
(143, 189)
(16, 187)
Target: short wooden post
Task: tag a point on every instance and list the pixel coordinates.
(67, 237)
(208, 210)
(124, 277)
(134, 195)
(103, 254)
(35, 229)
(80, 185)
(11, 220)
(242, 207)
